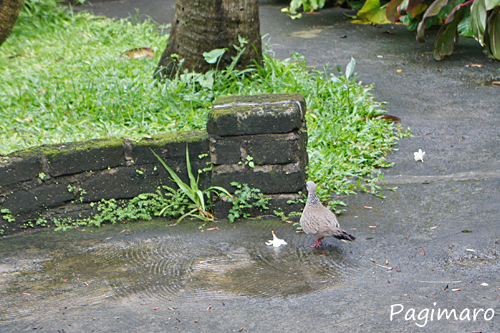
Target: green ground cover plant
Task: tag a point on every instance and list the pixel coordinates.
(62, 79)
(198, 206)
(245, 198)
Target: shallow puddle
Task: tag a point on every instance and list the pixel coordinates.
(49, 270)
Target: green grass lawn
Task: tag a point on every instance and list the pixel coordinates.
(62, 79)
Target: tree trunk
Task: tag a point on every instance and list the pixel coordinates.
(203, 25)
(9, 11)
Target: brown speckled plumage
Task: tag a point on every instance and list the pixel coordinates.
(320, 221)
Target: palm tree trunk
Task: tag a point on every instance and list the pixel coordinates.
(9, 11)
(203, 25)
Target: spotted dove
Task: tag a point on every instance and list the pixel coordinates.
(320, 221)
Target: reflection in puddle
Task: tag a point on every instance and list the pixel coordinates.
(266, 271)
(57, 270)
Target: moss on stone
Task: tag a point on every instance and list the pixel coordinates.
(71, 147)
(67, 148)
(264, 99)
(216, 114)
(169, 138)
(33, 152)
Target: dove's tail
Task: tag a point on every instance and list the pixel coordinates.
(344, 235)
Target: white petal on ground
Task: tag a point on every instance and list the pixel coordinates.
(419, 155)
(276, 242)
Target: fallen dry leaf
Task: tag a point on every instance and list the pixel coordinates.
(138, 53)
(398, 270)
(399, 70)
(383, 116)
(27, 119)
(19, 55)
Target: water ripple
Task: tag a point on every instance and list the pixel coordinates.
(61, 270)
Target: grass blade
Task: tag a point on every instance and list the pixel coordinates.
(175, 178)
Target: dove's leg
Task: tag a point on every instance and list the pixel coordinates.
(317, 244)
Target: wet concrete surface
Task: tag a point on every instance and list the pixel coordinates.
(155, 278)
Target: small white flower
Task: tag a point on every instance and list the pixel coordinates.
(419, 155)
(276, 242)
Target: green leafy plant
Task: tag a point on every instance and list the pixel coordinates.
(307, 6)
(208, 79)
(471, 18)
(165, 202)
(197, 206)
(244, 198)
(371, 12)
(281, 214)
(248, 161)
(7, 215)
(333, 204)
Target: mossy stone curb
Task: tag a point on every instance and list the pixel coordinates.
(260, 114)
